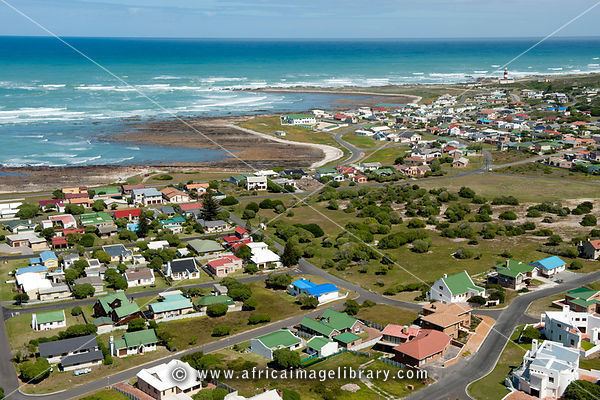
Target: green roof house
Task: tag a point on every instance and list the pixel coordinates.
(513, 274)
(171, 305)
(131, 343)
(322, 347)
(48, 320)
(204, 247)
(330, 324)
(457, 288)
(583, 299)
(283, 339)
(347, 339)
(96, 219)
(117, 307)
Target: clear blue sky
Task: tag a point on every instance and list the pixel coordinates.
(301, 18)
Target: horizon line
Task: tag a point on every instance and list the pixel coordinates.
(302, 38)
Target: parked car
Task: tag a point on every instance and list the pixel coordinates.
(82, 371)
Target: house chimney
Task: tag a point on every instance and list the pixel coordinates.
(534, 346)
(445, 275)
(111, 344)
(565, 308)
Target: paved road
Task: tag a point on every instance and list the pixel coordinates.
(455, 381)
(355, 153)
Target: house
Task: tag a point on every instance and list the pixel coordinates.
(118, 253)
(182, 268)
(223, 266)
(461, 162)
(173, 195)
(190, 209)
(69, 259)
(298, 120)
(321, 347)
(106, 231)
(457, 288)
(550, 266)
(158, 245)
(263, 257)
(547, 369)
(139, 277)
(240, 237)
(205, 301)
(131, 343)
(206, 248)
(117, 307)
(590, 249)
(513, 274)
(32, 279)
(146, 196)
(73, 353)
(272, 394)
(56, 291)
(331, 324)
(199, 187)
(583, 299)
(96, 281)
(414, 171)
(127, 190)
(9, 209)
(256, 183)
(571, 327)
(217, 226)
(324, 292)
(130, 214)
(265, 345)
(96, 219)
(48, 320)
(159, 383)
(429, 345)
(19, 226)
(172, 304)
(47, 258)
(449, 318)
(393, 335)
(65, 221)
(174, 224)
(28, 239)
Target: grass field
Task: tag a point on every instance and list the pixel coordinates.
(20, 332)
(106, 394)
(362, 142)
(384, 314)
(271, 124)
(385, 155)
(491, 387)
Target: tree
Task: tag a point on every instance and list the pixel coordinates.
(582, 390)
(576, 265)
(278, 281)
(115, 280)
(229, 201)
(216, 310)
(75, 311)
(87, 240)
(478, 300)
(286, 359)
(244, 253)
(126, 234)
(308, 302)
(136, 324)
(250, 304)
(289, 394)
(74, 209)
(529, 334)
(83, 290)
(27, 211)
(421, 246)
(99, 205)
(351, 307)
(35, 371)
(589, 220)
(508, 216)
(248, 214)
(210, 206)
(21, 298)
(466, 193)
(221, 330)
(291, 253)
(143, 226)
(256, 319)
(102, 256)
(58, 194)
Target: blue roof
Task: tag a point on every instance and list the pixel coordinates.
(552, 262)
(31, 268)
(303, 284)
(322, 289)
(48, 255)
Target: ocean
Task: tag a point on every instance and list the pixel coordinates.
(55, 104)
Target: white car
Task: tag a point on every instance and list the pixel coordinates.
(82, 371)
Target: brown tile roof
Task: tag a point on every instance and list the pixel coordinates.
(427, 343)
(442, 320)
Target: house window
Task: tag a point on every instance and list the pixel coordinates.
(551, 379)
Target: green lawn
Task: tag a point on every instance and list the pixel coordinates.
(271, 124)
(20, 332)
(384, 314)
(8, 290)
(385, 155)
(491, 386)
(363, 142)
(106, 394)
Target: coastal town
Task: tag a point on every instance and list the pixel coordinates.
(457, 232)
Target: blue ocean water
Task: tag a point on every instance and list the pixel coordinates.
(55, 103)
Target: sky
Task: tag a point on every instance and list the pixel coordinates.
(301, 18)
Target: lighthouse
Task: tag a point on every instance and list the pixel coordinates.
(505, 79)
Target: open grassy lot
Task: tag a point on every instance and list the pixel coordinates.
(526, 189)
(385, 153)
(363, 142)
(271, 124)
(491, 387)
(8, 290)
(196, 331)
(536, 169)
(384, 314)
(20, 332)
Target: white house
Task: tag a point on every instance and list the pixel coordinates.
(571, 327)
(139, 277)
(547, 370)
(256, 183)
(298, 119)
(265, 345)
(262, 256)
(457, 288)
(324, 292)
(321, 346)
(147, 196)
(48, 320)
(169, 380)
(138, 342)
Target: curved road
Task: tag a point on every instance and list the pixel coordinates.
(355, 152)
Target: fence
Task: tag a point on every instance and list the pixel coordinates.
(372, 324)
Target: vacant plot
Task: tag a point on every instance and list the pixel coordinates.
(20, 331)
(384, 314)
